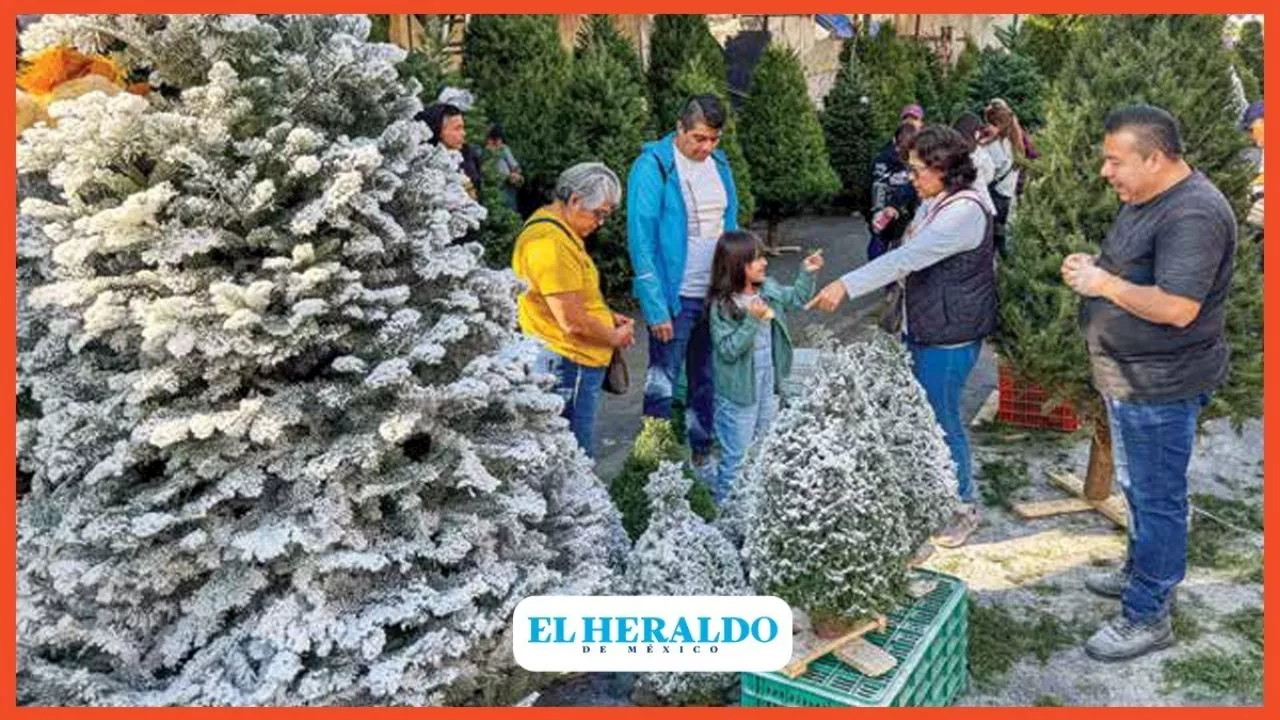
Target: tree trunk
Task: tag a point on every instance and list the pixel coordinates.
(1097, 483)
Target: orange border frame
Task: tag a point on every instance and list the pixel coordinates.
(8, 357)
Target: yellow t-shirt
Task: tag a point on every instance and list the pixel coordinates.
(552, 262)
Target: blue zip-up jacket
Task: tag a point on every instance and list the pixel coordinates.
(657, 226)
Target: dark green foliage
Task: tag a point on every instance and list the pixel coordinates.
(696, 78)
(380, 28)
(1046, 39)
(655, 443)
(846, 121)
(516, 65)
(1213, 674)
(676, 39)
(997, 640)
(599, 32)
(606, 116)
(1221, 538)
(1178, 63)
(790, 169)
(1249, 49)
(499, 230)
(1012, 76)
(898, 73)
(955, 83)
(1001, 479)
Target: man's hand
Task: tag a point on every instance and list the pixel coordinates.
(829, 298)
(663, 331)
(1081, 273)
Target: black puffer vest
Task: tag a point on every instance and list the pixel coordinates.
(954, 301)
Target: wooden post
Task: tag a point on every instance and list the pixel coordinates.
(1097, 482)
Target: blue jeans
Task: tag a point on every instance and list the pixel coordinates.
(942, 371)
(580, 387)
(690, 342)
(737, 426)
(1151, 447)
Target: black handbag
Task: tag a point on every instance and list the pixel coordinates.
(616, 377)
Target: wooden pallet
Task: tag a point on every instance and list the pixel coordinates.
(808, 647)
(1113, 508)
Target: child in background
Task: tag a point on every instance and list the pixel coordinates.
(751, 344)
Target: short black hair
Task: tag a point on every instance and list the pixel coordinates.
(944, 149)
(435, 115)
(968, 125)
(495, 132)
(706, 109)
(1154, 128)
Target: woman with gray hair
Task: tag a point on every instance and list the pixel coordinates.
(562, 305)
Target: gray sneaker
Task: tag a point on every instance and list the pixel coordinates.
(1108, 584)
(1122, 639)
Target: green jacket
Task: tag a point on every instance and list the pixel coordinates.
(733, 341)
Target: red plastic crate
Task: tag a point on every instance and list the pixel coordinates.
(1021, 405)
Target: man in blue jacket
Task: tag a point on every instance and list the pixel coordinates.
(680, 199)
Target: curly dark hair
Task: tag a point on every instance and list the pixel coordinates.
(942, 148)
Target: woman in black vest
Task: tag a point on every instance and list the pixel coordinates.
(945, 267)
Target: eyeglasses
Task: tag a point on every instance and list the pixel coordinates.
(601, 215)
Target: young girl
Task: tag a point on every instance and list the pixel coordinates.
(751, 345)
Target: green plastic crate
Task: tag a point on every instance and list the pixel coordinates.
(930, 640)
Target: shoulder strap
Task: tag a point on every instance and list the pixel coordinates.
(550, 221)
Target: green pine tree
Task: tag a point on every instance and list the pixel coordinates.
(1178, 63)
(695, 78)
(516, 64)
(606, 119)
(599, 30)
(1046, 39)
(1012, 76)
(927, 69)
(790, 169)
(1249, 48)
(955, 84)
(676, 38)
(892, 66)
(846, 121)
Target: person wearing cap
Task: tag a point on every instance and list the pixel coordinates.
(1252, 124)
(913, 114)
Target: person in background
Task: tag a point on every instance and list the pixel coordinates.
(947, 264)
(893, 197)
(1153, 313)
(1007, 147)
(751, 344)
(562, 306)
(508, 167)
(449, 129)
(680, 199)
(913, 114)
(972, 129)
(1252, 124)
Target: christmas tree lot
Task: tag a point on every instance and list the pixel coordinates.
(283, 445)
(1177, 63)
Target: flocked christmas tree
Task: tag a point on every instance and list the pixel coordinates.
(1178, 63)
(680, 554)
(697, 78)
(854, 476)
(846, 122)
(676, 39)
(790, 169)
(605, 118)
(282, 445)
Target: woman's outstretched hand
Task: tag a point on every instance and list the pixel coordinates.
(829, 298)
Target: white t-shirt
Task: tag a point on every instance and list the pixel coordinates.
(1001, 153)
(705, 201)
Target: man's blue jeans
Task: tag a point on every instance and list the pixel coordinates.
(580, 387)
(690, 341)
(1151, 447)
(942, 371)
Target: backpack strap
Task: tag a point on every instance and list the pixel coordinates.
(548, 221)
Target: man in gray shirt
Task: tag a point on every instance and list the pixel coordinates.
(1154, 319)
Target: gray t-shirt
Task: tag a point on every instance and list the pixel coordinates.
(1183, 240)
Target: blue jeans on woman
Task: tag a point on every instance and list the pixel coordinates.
(1151, 446)
(580, 387)
(737, 426)
(942, 371)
